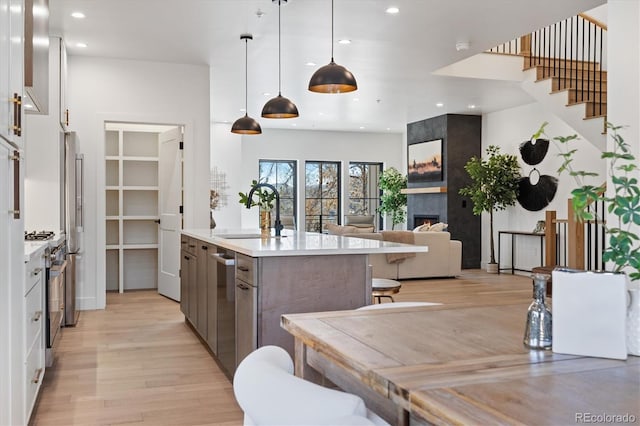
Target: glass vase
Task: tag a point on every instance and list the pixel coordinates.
(633, 322)
(537, 333)
(265, 222)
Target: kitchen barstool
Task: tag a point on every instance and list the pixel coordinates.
(384, 287)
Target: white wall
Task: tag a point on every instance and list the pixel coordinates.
(42, 156)
(241, 164)
(101, 89)
(508, 129)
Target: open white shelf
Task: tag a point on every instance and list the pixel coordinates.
(131, 198)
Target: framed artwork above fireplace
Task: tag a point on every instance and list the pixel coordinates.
(425, 161)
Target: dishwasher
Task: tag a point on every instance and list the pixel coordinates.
(246, 306)
(225, 339)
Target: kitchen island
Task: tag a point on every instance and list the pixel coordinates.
(235, 285)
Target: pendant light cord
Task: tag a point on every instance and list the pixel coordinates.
(279, 54)
(331, 30)
(246, 78)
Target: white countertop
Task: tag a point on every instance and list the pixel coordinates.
(31, 248)
(297, 243)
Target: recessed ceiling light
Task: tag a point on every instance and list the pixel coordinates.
(388, 128)
(83, 45)
(361, 127)
(243, 110)
(392, 10)
(28, 106)
(311, 64)
(267, 94)
(439, 104)
(472, 106)
(78, 15)
(293, 124)
(344, 41)
(356, 99)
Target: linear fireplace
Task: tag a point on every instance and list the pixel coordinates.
(422, 219)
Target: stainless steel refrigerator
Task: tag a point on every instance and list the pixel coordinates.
(73, 221)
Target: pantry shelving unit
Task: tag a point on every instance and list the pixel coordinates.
(131, 201)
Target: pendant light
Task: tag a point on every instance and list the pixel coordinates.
(279, 107)
(332, 78)
(246, 125)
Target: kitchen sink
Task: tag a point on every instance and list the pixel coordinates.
(238, 236)
(244, 236)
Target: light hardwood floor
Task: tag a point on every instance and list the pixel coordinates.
(137, 362)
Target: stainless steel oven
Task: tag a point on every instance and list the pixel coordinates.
(55, 292)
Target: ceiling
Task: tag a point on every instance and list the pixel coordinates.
(391, 56)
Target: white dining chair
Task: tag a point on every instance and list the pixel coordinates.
(269, 394)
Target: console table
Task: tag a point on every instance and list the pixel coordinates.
(514, 234)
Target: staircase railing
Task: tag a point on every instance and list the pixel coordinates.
(572, 51)
(573, 244)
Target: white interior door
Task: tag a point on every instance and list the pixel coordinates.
(170, 199)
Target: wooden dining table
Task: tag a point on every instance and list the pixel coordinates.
(461, 365)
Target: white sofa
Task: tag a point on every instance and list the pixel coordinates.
(444, 258)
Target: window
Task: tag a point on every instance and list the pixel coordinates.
(282, 175)
(364, 193)
(322, 194)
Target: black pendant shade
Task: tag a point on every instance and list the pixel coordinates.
(246, 125)
(279, 107)
(332, 78)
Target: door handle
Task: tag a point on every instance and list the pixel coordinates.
(16, 184)
(17, 114)
(205, 248)
(243, 268)
(243, 286)
(158, 222)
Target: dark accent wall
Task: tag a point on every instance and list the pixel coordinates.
(461, 139)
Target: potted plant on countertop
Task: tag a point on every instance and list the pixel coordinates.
(263, 198)
(494, 187)
(622, 251)
(392, 200)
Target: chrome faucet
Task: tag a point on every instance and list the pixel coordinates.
(277, 225)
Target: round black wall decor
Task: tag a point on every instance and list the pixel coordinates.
(535, 197)
(533, 152)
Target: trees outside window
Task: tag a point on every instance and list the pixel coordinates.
(364, 192)
(281, 174)
(322, 195)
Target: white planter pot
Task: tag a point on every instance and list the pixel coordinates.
(589, 313)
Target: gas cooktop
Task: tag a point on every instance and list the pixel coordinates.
(38, 235)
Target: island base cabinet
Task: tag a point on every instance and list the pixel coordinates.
(246, 319)
(300, 284)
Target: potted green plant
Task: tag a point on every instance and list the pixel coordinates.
(264, 199)
(622, 253)
(494, 187)
(392, 200)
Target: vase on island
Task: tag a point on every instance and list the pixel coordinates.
(265, 222)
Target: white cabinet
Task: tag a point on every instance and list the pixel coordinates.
(11, 70)
(33, 330)
(64, 107)
(131, 197)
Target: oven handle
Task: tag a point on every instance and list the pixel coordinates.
(57, 268)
